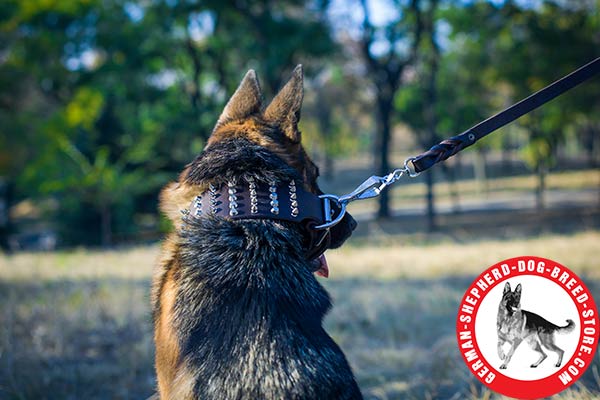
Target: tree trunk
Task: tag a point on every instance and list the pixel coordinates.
(505, 162)
(5, 222)
(329, 166)
(106, 225)
(480, 171)
(383, 153)
(541, 186)
(324, 121)
(431, 224)
(594, 147)
(429, 111)
(450, 173)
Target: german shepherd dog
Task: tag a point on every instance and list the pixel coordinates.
(237, 309)
(515, 325)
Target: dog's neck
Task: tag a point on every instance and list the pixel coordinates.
(247, 272)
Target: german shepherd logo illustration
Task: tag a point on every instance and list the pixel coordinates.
(515, 325)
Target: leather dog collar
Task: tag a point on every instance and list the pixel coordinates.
(287, 202)
(254, 200)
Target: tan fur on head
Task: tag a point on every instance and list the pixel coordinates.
(177, 196)
(276, 128)
(282, 113)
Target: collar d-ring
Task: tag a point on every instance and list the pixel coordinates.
(330, 218)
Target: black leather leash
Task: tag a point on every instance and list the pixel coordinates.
(453, 145)
(413, 166)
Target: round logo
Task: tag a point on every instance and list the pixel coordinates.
(527, 327)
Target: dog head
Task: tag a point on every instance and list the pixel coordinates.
(511, 300)
(270, 132)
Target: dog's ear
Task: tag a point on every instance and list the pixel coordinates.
(506, 288)
(284, 110)
(246, 100)
(518, 292)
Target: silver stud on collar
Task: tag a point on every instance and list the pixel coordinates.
(293, 201)
(212, 191)
(233, 205)
(253, 196)
(198, 205)
(273, 196)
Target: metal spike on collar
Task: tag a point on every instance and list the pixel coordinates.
(198, 205)
(233, 205)
(273, 196)
(213, 198)
(293, 201)
(253, 196)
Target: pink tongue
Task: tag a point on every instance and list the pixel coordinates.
(323, 268)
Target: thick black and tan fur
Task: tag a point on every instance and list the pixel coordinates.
(237, 310)
(515, 325)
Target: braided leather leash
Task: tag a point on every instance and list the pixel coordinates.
(453, 145)
(413, 166)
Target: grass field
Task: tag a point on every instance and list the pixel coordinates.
(76, 325)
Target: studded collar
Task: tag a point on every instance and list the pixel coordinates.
(252, 200)
(285, 201)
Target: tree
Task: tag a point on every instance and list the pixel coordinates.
(418, 106)
(561, 36)
(118, 95)
(400, 37)
(432, 61)
(334, 124)
(523, 49)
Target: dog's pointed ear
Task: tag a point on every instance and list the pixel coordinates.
(245, 101)
(284, 110)
(518, 292)
(506, 288)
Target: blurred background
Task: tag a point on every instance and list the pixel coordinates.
(102, 102)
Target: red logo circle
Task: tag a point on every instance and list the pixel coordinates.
(527, 327)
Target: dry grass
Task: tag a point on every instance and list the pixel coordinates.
(393, 256)
(396, 257)
(81, 264)
(76, 325)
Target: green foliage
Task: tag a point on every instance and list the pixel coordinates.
(104, 101)
(522, 49)
(498, 54)
(332, 124)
